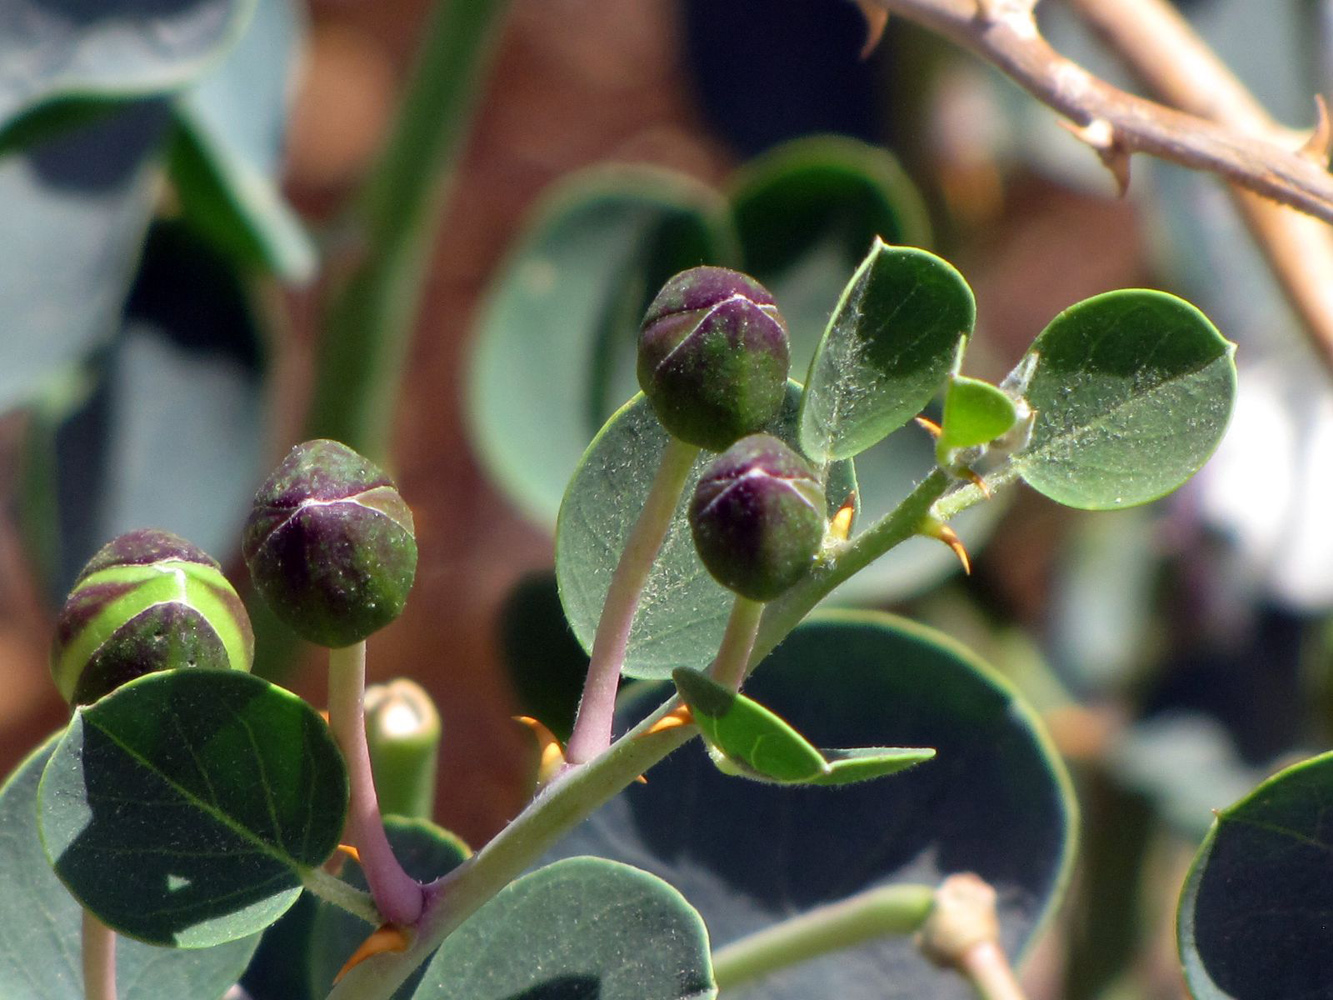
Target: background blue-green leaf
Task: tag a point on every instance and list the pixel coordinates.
(1253, 922)
(683, 611)
(994, 800)
(578, 928)
(40, 922)
(891, 341)
(555, 346)
(182, 807)
(1132, 391)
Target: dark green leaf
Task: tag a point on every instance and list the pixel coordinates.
(1253, 922)
(994, 801)
(1132, 391)
(746, 738)
(581, 928)
(893, 338)
(807, 212)
(119, 49)
(40, 922)
(75, 212)
(226, 160)
(426, 852)
(555, 345)
(183, 807)
(683, 611)
(545, 662)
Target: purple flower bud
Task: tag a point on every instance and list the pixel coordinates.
(713, 356)
(758, 517)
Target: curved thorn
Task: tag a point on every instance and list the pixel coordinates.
(388, 938)
(877, 18)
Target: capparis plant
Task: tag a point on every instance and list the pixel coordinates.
(215, 829)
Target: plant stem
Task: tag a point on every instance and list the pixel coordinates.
(733, 656)
(334, 890)
(891, 909)
(99, 959)
(370, 320)
(397, 895)
(592, 726)
(403, 734)
(988, 970)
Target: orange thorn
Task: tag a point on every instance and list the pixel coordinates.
(641, 780)
(949, 537)
(552, 753)
(877, 18)
(325, 716)
(930, 427)
(1319, 147)
(979, 483)
(674, 719)
(351, 852)
(390, 937)
(841, 526)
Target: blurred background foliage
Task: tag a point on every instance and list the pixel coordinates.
(184, 220)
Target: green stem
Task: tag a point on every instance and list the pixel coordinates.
(370, 320)
(592, 726)
(398, 896)
(733, 656)
(99, 959)
(403, 735)
(334, 890)
(892, 909)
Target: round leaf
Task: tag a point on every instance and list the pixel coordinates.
(40, 922)
(545, 375)
(683, 611)
(892, 340)
(183, 807)
(579, 928)
(994, 801)
(975, 412)
(1253, 916)
(1132, 392)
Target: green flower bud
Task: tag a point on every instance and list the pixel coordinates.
(330, 544)
(758, 517)
(147, 601)
(713, 356)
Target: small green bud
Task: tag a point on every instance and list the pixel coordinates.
(147, 601)
(330, 544)
(713, 356)
(758, 517)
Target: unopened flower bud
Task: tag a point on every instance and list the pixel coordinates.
(758, 517)
(147, 601)
(330, 544)
(713, 356)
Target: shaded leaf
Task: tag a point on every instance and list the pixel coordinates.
(994, 801)
(580, 928)
(893, 338)
(555, 345)
(1253, 921)
(545, 662)
(183, 807)
(683, 611)
(1132, 392)
(40, 922)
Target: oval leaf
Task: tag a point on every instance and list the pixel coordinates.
(891, 342)
(1132, 392)
(1252, 922)
(579, 928)
(994, 801)
(683, 611)
(182, 807)
(40, 922)
(543, 377)
(975, 412)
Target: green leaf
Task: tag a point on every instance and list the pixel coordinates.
(746, 738)
(807, 211)
(40, 921)
(975, 413)
(1132, 392)
(555, 345)
(227, 152)
(114, 49)
(892, 340)
(995, 801)
(183, 807)
(76, 208)
(683, 611)
(544, 662)
(426, 852)
(1253, 919)
(578, 928)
